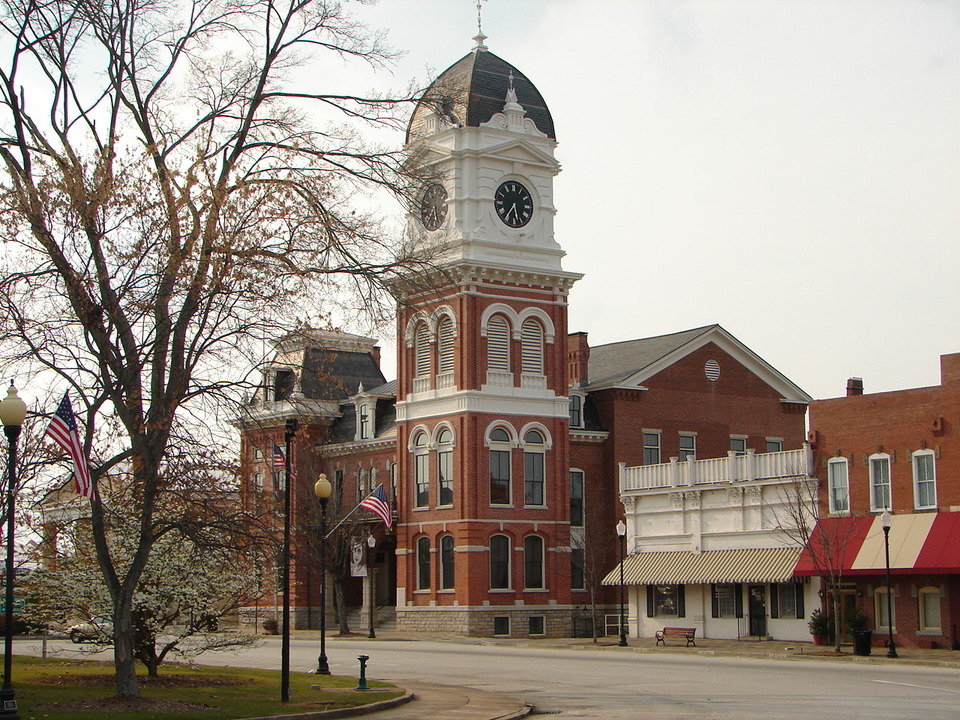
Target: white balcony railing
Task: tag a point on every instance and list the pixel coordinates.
(444, 381)
(499, 378)
(421, 384)
(533, 381)
(730, 469)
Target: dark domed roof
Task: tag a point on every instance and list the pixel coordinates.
(474, 88)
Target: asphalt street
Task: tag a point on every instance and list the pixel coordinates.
(627, 685)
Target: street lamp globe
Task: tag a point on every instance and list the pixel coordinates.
(12, 408)
(621, 529)
(322, 488)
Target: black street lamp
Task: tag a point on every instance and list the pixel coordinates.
(622, 534)
(12, 412)
(886, 520)
(322, 490)
(371, 544)
(288, 435)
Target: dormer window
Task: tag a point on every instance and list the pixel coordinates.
(364, 422)
(283, 381)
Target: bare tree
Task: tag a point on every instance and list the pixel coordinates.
(168, 206)
(590, 562)
(824, 542)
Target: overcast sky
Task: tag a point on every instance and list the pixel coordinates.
(789, 169)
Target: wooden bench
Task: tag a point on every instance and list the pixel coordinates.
(687, 634)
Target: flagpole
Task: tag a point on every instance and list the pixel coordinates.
(342, 520)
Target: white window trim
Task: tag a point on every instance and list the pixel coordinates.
(659, 434)
(680, 450)
(916, 483)
(535, 449)
(846, 465)
(870, 461)
(543, 563)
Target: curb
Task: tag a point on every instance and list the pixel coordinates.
(345, 712)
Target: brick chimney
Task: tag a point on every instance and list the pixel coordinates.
(578, 356)
(854, 386)
(375, 354)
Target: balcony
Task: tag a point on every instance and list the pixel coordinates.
(422, 384)
(499, 378)
(445, 381)
(731, 469)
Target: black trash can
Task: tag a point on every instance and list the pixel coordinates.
(862, 642)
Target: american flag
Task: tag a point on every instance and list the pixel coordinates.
(278, 457)
(378, 504)
(63, 431)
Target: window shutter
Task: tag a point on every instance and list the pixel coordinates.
(681, 603)
(714, 602)
(650, 601)
(738, 598)
(531, 342)
(774, 600)
(422, 350)
(498, 344)
(798, 589)
(445, 340)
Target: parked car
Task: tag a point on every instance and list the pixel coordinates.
(97, 629)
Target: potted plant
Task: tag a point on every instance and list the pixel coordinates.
(819, 626)
(859, 626)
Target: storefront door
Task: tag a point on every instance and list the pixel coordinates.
(758, 609)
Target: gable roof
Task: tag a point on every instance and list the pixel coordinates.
(628, 364)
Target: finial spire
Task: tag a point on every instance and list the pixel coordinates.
(480, 37)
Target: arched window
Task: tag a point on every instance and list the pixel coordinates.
(421, 471)
(423, 563)
(924, 480)
(533, 468)
(880, 482)
(445, 467)
(498, 344)
(500, 456)
(838, 485)
(445, 345)
(446, 562)
(531, 346)
(421, 350)
(533, 562)
(499, 562)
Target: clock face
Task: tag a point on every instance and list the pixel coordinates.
(433, 206)
(514, 203)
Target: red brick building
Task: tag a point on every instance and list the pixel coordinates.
(501, 438)
(900, 451)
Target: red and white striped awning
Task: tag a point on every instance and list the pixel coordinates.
(919, 543)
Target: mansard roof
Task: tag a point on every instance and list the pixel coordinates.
(474, 89)
(336, 374)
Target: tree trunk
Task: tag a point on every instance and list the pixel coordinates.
(340, 607)
(836, 620)
(124, 661)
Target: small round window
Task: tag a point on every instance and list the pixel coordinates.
(712, 370)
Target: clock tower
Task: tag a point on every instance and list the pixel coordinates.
(483, 542)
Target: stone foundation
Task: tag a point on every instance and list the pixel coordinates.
(511, 621)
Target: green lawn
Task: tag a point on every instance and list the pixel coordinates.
(221, 693)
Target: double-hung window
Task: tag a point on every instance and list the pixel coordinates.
(651, 448)
(838, 485)
(576, 498)
(879, 482)
(446, 562)
(423, 563)
(738, 445)
(533, 468)
(576, 411)
(688, 446)
(445, 467)
(500, 454)
(499, 562)
(533, 562)
(421, 471)
(924, 480)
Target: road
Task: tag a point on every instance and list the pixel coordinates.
(623, 685)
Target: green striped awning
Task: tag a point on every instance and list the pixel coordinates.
(712, 566)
